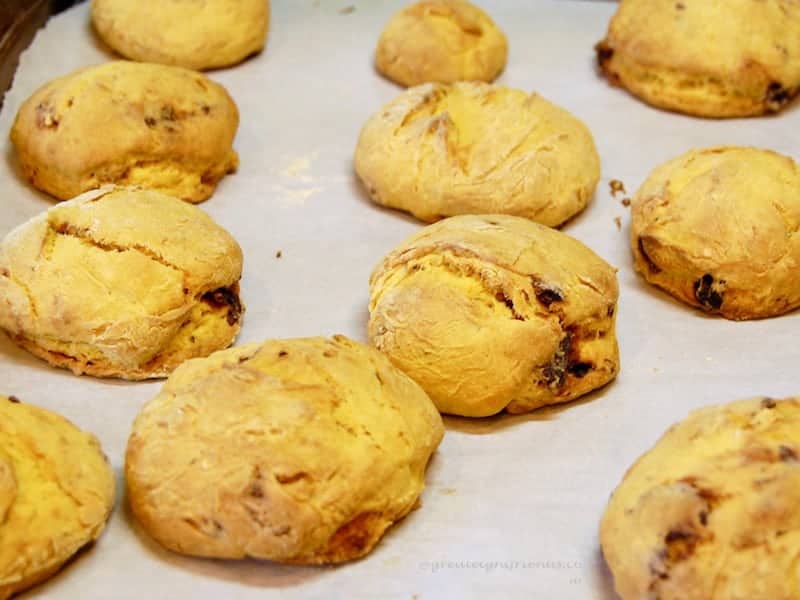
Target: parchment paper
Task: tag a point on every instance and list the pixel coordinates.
(512, 504)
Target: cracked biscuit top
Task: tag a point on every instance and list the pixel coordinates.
(493, 312)
(196, 35)
(56, 493)
(299, 451)
(162, 128)
(473, 148)
(710, 512)
(441, 41)
(120, 282)
(718, 229)
(720, 58)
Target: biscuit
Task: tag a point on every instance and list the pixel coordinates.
(735, 58)
(162, 128)
(492, 312)
(194, 35)
(441, 41)
(718, 229)
(472, 148)
(299, 451)
(120, 282)
(56, 493)
(711, 510)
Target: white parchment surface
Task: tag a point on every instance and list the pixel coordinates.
(512, 504)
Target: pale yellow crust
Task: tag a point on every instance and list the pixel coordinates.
(298, 451)
(474, 148)
(120, 282)
(494, 312)
(709, 58)
(441, 41)
(718, 229)
(191, 34)
(710, 512)
(56, 493)
(162, 128)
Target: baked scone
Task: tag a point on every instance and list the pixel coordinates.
(718, 229)
(473, 148)
(710, 512)
(56, 493)
(163, 128)
(120, 282)
(492, 312)
(195, 35)
(298, 451)
(731, 58)
(441, 41)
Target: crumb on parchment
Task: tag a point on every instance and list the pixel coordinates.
(617, 187)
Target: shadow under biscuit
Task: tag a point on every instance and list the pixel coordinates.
(12, 161)
(604, 582)
(97, 42)
(359, 192)
(360, 324)
(791, 107)
(579, 216)
(45, 588)
(505, 420)
(657, 294)
(652, 291)
(12, 354)
(250, 572)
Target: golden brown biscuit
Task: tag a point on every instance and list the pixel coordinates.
(299, 451)
(710, 512)
(441, 40)
(162, 128)
(493, 312)
(120, 282)
(195, 35)
(731, 58)
(718, 229)
(472, 148)
(56, 493)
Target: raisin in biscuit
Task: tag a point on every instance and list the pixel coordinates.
(162, 128)
(441, 40)
(120, 282)
(734, 58)
(191, 34)
(472, 148)
(299, 451)
(56, 493)
(711, 510)
(718, 229)
(495, 312)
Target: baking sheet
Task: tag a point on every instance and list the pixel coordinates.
(512, 504)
